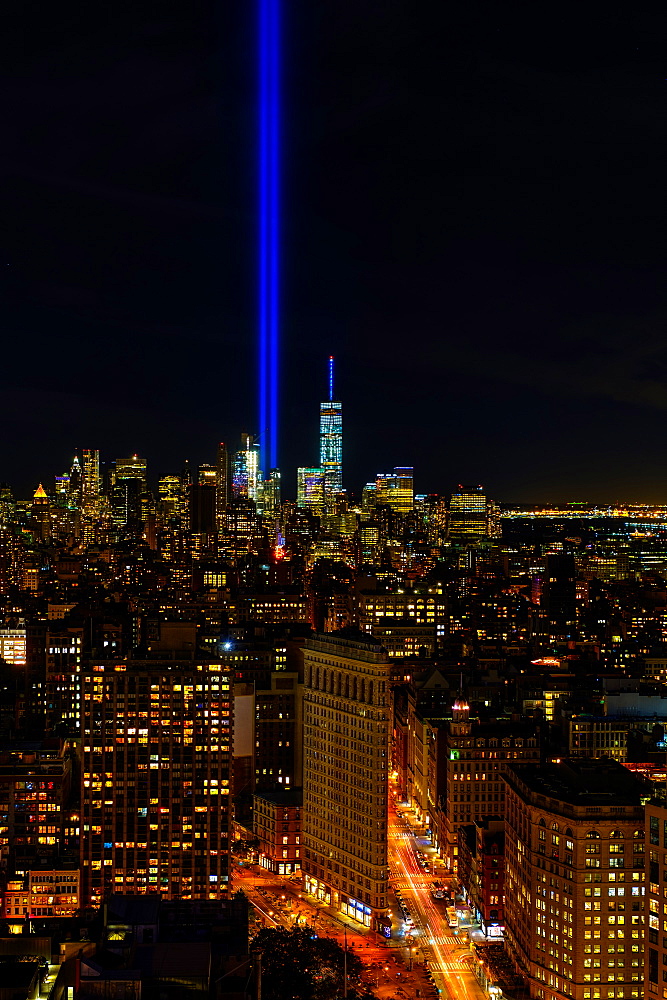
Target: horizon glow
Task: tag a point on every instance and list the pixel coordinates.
(269, 227)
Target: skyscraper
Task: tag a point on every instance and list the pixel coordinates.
(468, 513)
(347, 728)
(246, 470)
(131, 501)
(310, 489)
(75, 484)
(155, 778)
(221, 485)
(269, 503)
(90, 493)
(574, 879)
(90, 482)
(396, 490)
(331, 439)
(203, 498)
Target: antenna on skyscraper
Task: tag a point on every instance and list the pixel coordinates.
(331, 373)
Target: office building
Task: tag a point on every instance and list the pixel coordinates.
(75, 484)
(310, 485)
(272, 607)
(241, 532)
(396, 490)
(278, 725)
(481, 872)
(331, 440)
(347, 732)
(222, 484)
(468, 513)
(44, 891)
(61, 484)
(574, 879)
(40, 515)
(247, 470)
(169, 493)
(203, 500)
(473, 757)
(61, 698)
(35, 785)
(12, 557)
(421, 606)
(13, 646)
(155, 778)
(559, 594)
(90, 478)
(90, 493)
(131, 468)
(656, 899)
(131, 500)
(605, 735)
(270, 494)
(277, 826)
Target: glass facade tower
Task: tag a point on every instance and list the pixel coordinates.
(331, 440)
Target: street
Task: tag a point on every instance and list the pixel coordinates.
(446, 952)
(424, 956)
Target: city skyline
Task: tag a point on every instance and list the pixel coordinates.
(398, 718)
(330, 686)
(447, 235)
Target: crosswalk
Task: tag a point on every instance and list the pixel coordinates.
(414, 881)
(445, 966)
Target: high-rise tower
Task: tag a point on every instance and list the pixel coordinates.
(90, 493)
(221, 485)
(346, 739)
(246, 470)
(331, 440)
(90, 485)
(165, 829)
(468, 513)
(310, 489)
(75, 484)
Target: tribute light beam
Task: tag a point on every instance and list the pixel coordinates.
(269, 226)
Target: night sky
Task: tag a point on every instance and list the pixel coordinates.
(474, 225)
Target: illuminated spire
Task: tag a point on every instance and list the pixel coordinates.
(331, 440)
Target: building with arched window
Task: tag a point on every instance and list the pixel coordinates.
(346, 734)
(574, 878)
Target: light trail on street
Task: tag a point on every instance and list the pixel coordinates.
(430, 934)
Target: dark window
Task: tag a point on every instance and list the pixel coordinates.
(653, 965)
(654, 830)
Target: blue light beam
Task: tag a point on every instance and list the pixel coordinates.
(269, 227)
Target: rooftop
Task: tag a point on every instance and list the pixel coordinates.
(290, 797)
(350, 642)
(583, 782)
(175, 959)
(133, 910)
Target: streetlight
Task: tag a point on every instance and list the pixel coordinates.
(412, 953)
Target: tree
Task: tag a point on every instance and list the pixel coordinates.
(299, 965)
